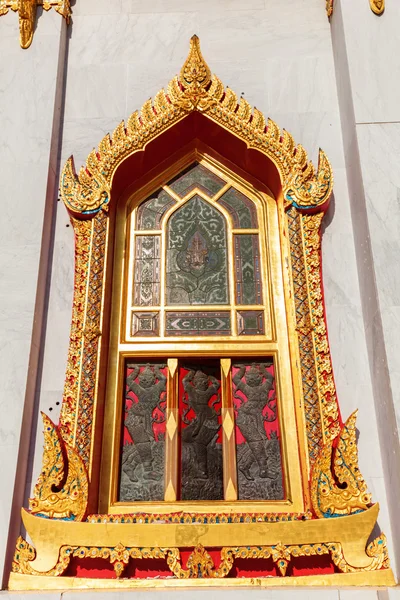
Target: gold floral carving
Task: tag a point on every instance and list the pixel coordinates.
(377, 6)
(350, 495)
(196, 89)
(311, 225)
(57, 494)
(68, 417)
(27, 14)
(80, 392)
(200, 564)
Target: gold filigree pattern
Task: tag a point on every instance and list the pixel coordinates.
(304, 330)
(377, 6)
(189, 518)
(200, 565)
(86, 392)
(330, 499)
(24, 554)
(27, 14)
(196, 89)
(71, 500)
(376, 550)
(311, 225)
(68, 417)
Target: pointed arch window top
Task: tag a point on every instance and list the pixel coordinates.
(195, 89)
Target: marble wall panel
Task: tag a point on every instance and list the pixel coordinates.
(379, 146)
(376, 95)
(27, 94)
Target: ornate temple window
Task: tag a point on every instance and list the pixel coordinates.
(199, 407)
(199, 285)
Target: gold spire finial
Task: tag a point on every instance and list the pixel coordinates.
(195, 71)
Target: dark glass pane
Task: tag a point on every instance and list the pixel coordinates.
(150, 212)
(197, 265)
(146, 289)
(196, 176)
(250, 322)
(247, 269)
(145, 324)
(201, 435)
(258, 447)
(198, 323)
(142, 459)
(241, 209)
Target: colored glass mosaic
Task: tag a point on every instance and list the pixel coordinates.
(247, 269)
(197, 264)
(250, 322)
(241, 209)
(146, 289)
(198, 323)
(196, 176)
(151, 211)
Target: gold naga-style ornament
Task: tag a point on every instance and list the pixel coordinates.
(337, 517)
(27, 14)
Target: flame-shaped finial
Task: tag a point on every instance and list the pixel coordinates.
(195, 70)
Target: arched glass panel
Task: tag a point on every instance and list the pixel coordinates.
(197, 263)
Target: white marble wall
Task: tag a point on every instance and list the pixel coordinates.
(367, 58)
(27, 93)
(279, 54)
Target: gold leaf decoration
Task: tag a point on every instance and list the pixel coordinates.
(27, 15)
(71, 500)
(330, 499)
(197, 90)
(377, 6)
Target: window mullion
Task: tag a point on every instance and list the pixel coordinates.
(228, 433)
(171, 439)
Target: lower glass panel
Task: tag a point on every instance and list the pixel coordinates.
(258, 446)
(143, 440)
(201, 435)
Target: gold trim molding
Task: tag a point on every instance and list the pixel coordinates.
(27, 15)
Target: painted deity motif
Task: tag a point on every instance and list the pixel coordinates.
(201, 455)
(197, 266)
(259, 465)
(142, 459)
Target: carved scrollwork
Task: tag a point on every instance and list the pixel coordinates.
(349, 495)
(196, 89)
(200, 564)
(58, 494)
